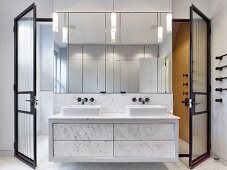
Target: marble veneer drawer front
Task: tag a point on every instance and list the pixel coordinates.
(143, 131)
(113, 140)
(83, 131)
(152, 149)
(83, 148)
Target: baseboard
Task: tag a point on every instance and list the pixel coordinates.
(221, 160)
(6, 153)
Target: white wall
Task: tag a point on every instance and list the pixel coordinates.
(8, 10)
(107, 5)
(181, 7)
(218, 47)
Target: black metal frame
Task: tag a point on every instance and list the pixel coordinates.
(44, 19)
(17, 154)
(194, 162)
(181, 20)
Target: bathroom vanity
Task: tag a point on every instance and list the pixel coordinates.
(113, 137)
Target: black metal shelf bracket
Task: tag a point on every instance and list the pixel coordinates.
(220, 68)
(220, 78)
(219, 100)
(220, 89)
(220, 57)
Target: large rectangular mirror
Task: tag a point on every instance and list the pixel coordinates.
(92, 57)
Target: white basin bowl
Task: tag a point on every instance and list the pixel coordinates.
(146, 110)
(81, 110)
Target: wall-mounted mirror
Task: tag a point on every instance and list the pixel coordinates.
(92, 57)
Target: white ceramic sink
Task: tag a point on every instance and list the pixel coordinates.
(146, 110)
(81, 110)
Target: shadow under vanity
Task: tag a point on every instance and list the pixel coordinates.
(106, 93)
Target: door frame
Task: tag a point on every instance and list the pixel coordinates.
(183, 155)
(17, 154)
(200, 159)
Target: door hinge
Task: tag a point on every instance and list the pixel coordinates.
(14, 87)
(190, 103)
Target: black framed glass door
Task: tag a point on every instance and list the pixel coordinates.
(25, 86)
(199, 145)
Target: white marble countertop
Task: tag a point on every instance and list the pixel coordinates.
(114, 116)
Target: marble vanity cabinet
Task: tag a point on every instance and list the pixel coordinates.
(117, 138)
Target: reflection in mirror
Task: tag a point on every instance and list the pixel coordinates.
(61, 57)
(93, 62)
(86, 53)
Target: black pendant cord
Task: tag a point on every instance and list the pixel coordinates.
(220, 57)
(220, 68)
(220, 78)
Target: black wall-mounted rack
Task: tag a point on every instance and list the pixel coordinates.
(219, 100)
(220, 68)
(220, 78)
(220, 57)
(220, 89)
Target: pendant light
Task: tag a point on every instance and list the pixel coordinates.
(160, 30)
(65, 31)
(113, 36)
(169, 19)
(113, 25)
(55, 19)
(113, 20)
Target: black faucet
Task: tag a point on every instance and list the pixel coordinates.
(92, 99)
(144, 100)
(147, 99)
(78, 99)
(134, 99)
(84, 100)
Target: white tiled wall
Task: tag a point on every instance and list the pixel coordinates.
(219, 110)
(45, 110)
(112, 103)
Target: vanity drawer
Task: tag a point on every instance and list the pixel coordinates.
(83, 131)
(153, 149)
(144, 132)
(83, 148)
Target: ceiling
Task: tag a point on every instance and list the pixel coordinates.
(89, 28)
(107, 5)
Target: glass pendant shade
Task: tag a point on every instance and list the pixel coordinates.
(113, 36)
(113, 20)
